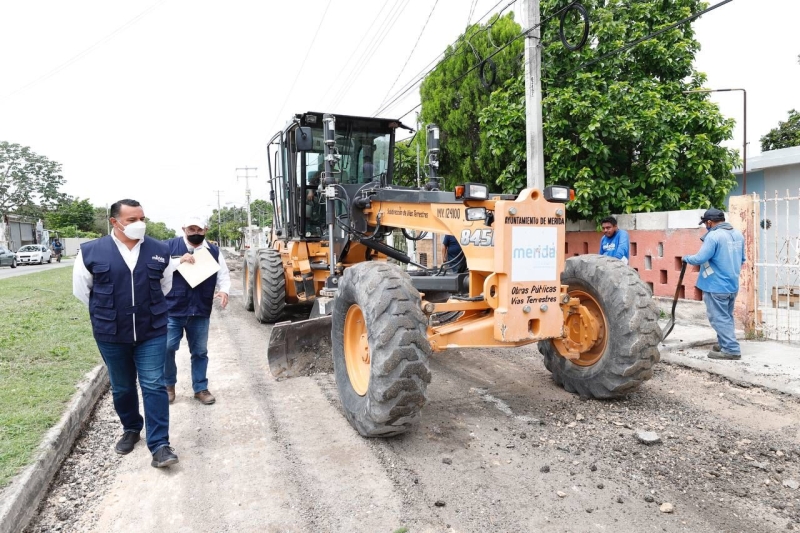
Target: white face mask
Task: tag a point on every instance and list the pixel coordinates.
(135, 230)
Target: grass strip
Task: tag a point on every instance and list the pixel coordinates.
(46, 348)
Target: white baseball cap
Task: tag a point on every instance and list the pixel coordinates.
(200, 222)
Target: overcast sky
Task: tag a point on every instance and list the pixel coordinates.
(161, 100)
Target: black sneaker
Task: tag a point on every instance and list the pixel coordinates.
(164, 456)
(126, 443)
(716, 348)
(722, 355)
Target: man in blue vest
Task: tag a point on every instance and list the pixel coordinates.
(123, 278)
(190, 309)
(615, 242)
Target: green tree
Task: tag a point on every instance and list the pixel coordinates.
(100, 221)
(159, 230)
(261, 212)
(405, 162)
(621, 131)
(453, 99)
(72, 231)
(72, 212)
(27, 180)
(786, 135)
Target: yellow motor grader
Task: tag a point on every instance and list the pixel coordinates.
(335, 209)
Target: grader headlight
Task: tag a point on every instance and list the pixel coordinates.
(476, 213)
(556, 193)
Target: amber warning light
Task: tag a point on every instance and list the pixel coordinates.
(472, 191)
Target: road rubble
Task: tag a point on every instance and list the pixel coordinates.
(500, 448)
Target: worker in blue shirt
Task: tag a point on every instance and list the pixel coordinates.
(720, 259)
(615, 242)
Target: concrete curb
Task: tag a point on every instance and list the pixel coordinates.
(732, 374)
(20, 500)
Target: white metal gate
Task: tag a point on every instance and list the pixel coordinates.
(778, 266)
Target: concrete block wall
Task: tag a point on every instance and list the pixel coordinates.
(658, 242)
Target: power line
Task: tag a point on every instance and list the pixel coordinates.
(421, 76)
(588, 63)
(86, 51)
(458, 45)
(412, 52)
(353, 53)
(631, 44)
(365, 51)
(471, 11)
(300, 70)
(370, 51)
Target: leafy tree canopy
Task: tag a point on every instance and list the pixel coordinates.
(621, 132)
(72, 212)
(786, 135)
(261, 212)
(27, 180)
(453, 99)
(100, 224)
(405, 162)
(159, 230)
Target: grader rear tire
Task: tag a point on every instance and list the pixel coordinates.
(380, 349)
(248, 266)
(625, 360)
(269, 288)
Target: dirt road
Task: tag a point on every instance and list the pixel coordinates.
(500, 448)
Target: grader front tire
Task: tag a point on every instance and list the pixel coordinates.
(629, 350)
(380, 349)
(269, 286)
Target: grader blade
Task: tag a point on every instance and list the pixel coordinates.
(296, 348)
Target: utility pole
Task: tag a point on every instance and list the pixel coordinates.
(108, 221)
(247, 195)
(418, 185)
(533, 94)
(219, 218)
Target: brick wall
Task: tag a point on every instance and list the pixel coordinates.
(658, 241)
(655, 255)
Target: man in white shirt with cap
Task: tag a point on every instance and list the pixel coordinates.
(190, 308)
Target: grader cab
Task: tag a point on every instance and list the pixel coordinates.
(335, 207)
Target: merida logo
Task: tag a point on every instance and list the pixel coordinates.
(540, 252)
(158, 258)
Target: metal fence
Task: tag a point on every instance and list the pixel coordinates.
(778, 266)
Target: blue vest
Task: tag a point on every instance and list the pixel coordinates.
(183, 300)
(125, 307)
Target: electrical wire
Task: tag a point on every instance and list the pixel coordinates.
(631, 44)
(300, 70)
(413, 48)
(375, 25)
(86, 51)
(383, 37)
(520, 35)
(471, 11)
(371, 48)
(353, 53)
(421, 76)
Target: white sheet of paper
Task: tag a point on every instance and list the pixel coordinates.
(204, 266)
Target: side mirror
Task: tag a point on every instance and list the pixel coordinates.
(302, 139)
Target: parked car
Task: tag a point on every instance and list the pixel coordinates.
(7, 258)
(33, 253)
